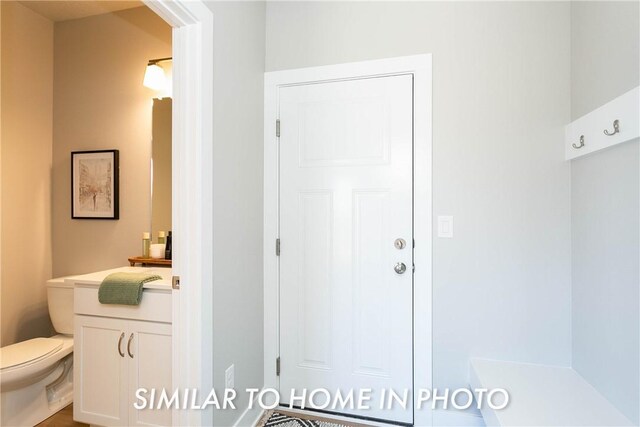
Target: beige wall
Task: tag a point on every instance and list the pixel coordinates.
(27, 98)
(100, 103)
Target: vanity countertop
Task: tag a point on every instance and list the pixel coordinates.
(97, 277)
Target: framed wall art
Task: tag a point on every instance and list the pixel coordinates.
(94, 184)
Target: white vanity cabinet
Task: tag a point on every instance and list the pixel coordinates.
(116, 357)
(117, 350)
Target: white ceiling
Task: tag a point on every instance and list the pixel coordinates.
(58, 10)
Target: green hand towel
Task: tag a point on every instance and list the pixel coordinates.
(124, 288)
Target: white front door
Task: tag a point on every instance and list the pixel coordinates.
(346, 319)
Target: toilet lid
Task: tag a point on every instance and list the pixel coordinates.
(27, 351)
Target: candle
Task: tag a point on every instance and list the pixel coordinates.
(157, 250)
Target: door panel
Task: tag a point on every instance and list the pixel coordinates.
(314, 276)
(370, 262)
(345, 196)
(100, 386)
(149, 357)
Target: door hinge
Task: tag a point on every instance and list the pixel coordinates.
(277, 366)
(175, 282)
(277, 247)
(278, 128)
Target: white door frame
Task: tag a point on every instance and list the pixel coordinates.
(192, 186)
(420, 67)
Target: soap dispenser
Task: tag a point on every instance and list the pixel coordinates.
(167, 247)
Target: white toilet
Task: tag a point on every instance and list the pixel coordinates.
(36, 376)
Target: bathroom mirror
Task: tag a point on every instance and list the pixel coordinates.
(161, 167)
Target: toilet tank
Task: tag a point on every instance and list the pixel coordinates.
(60, 301)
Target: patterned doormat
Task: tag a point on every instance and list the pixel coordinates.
(280, 419)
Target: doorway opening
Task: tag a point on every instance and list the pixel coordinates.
(192, 190)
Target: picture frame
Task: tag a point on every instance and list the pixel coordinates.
(95, 187)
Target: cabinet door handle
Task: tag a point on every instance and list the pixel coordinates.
(120, 345)
(129, 346)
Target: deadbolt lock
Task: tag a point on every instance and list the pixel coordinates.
(400, 243)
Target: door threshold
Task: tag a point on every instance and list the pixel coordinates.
(348, 420)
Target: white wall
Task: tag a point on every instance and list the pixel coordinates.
(605, 59)
(605, 53)
(237, 198)
(606, 273)
(500, 101)
(27, 97)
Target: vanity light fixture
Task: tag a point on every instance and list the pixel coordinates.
(154, 77)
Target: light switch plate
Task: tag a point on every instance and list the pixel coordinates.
(445, 226)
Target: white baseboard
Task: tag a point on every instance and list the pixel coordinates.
(453, 418)
(251, 415)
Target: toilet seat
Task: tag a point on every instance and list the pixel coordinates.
(29, 351)
(27, 362)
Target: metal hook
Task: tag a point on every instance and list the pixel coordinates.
(581, 143)
(616, 128)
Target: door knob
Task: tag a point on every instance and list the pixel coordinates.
(400, 268)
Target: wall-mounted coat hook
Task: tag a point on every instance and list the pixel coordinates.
(616, 128)
(613, 123)
(581, 143)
